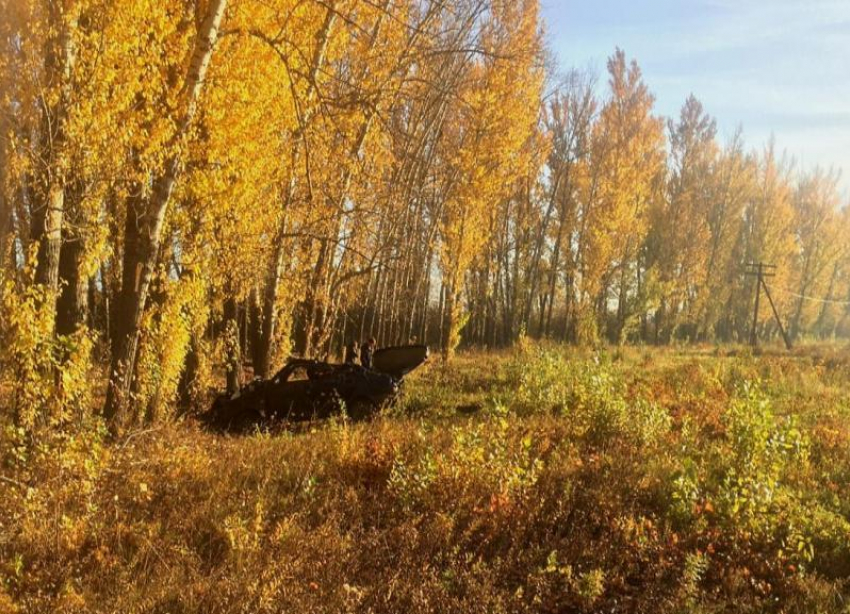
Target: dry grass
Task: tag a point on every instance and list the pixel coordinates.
(540, 481)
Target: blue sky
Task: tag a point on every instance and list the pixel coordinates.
(772, 66)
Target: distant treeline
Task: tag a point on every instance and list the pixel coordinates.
(186, 186)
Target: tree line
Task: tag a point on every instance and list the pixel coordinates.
(192, 187)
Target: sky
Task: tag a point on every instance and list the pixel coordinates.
(778, 67)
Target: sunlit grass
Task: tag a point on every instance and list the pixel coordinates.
(540, 480)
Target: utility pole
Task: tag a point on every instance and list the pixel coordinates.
(762, 271)
(758, 271)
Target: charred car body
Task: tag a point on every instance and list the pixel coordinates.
(307, 390)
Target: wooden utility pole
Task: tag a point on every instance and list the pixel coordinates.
(761, 271)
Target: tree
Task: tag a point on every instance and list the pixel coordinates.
(732, 187)
(484, 138)
(678, 242)
(819, 243)
(142, 244)
(569, 122)
(627, 159)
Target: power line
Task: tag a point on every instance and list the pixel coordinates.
(816, 299)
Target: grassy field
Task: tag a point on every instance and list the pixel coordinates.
(538, 480)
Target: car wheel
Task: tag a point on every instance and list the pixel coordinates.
(361, 409)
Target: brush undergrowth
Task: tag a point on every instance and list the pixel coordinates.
(535, 481)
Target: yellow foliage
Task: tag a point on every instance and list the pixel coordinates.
(488, 140)
(47, 376)
(167, 333)
(627, 158)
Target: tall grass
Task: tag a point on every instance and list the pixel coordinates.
(536, 481)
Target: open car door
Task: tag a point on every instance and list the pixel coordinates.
(400, 360)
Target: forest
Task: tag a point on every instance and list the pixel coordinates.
(194, 191)
(190, 187)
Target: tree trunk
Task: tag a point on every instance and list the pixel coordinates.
(234, 355)
(537, 255)
(254, 328)
(73, 305)
(268, 325)
(553, 281)
(448, 324)
(186, 388)
(6, 234)
(820, 325)
(60, 57)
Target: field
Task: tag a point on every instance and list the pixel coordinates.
(538, 480)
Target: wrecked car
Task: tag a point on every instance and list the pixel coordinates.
(305, 390)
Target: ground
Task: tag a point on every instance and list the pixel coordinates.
(541, 479)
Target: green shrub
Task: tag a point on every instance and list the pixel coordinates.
(591, 395)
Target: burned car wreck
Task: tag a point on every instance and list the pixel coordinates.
(305, 390)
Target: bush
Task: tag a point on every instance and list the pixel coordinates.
(44, 377)
(591, 395)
